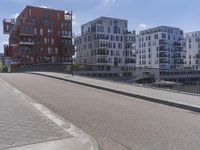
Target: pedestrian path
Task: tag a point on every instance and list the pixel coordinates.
(25, 124)
(176, 99)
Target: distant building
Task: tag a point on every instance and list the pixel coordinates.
(192, 40)
(39, 35)
(106, 43)
(160, 47)
(2, 57)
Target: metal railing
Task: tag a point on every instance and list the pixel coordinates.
(182, 80)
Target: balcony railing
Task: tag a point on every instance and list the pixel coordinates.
(177, 44)
(164, 60)
(103, 52)
(178, 49)
(163, 49)
(63, 35)
(163, 56)
(162, 42)
(26, 42)
(197, 55)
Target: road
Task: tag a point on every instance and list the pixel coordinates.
(115, 121)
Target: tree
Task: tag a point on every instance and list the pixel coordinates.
(5, 68)
(1, 66)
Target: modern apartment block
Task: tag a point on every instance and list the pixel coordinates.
(160, 47)
(39, 35)
(106, 43)
(192, 40)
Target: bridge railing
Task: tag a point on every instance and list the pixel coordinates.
(187, 80)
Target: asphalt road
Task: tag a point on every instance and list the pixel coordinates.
(116, 122)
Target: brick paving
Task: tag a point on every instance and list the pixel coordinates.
(21, 124)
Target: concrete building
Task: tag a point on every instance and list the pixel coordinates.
(160, 47)
(39, 35)
(192, 40)
(106, 43)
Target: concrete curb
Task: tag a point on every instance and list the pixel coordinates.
(77, 134)
(160, 101)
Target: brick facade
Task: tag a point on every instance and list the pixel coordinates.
(39, 35)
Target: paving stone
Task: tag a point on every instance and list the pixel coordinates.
(21, 124)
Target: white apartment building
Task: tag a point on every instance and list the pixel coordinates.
(160, 47)
(106, 43)
(192, 41)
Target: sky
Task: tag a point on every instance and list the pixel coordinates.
(141, 14)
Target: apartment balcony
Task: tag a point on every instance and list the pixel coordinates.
(7, 25)
(163, 60)
(178, 61)
(103, 52)
(163, 55)
(130, 61)
(26, 43)
(162, 42)
(25, 33)
(177, 44)
(68, 36)
(102, 60)
(197, 62)
(26, 49)
(163, 49)
(198, 56)
(26, 29)
(178, 49)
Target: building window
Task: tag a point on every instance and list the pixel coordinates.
(45, 41)
(7, 28)
(163, 36)
(35, 31)
(41, 31)
(29, 12)
(52, 41)
(156, 36)
(49, 32)
(56, 50)
(108, 29)
(58, 16)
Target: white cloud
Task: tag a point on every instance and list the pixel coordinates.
(142, 25)
(44, 6)
(109, 1)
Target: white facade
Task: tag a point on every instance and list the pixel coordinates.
(192, 41)
(160, 47)
(105, 42)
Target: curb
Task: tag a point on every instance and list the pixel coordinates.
(159, 101)
(55, 118)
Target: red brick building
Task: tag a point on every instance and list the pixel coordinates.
(39, 35)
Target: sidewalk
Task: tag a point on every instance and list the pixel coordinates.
(27, 125)
(175, 99)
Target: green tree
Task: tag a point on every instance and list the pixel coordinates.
(1, 66)
(5, 68)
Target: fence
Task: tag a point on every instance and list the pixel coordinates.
(186, 80)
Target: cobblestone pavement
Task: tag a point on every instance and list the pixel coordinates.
(21, 124)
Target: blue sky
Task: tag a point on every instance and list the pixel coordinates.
(141, 14)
